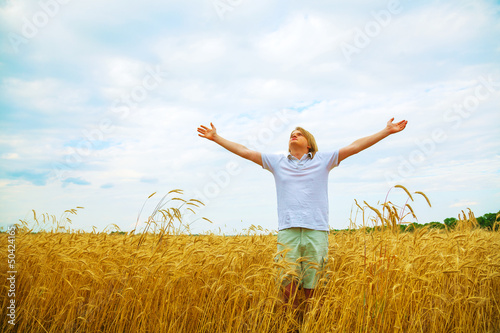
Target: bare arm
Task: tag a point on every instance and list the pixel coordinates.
(363, 143)
(236, 148)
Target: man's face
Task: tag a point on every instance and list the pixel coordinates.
(297, 139)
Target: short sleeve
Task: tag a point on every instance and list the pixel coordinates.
(331, 159)
(270, 161)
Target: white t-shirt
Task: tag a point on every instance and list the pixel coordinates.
(302, 188)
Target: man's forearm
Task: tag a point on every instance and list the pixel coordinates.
(368, 141)
(233, 147)
(210, 133)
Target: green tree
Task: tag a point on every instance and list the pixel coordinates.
(450, 222)
(436, 225)
(487, 220)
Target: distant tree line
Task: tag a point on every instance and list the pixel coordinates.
(487, 221)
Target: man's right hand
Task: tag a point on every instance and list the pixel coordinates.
(233, 147)
(207, 133)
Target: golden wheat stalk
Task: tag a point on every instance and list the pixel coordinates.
(406, 190)
(427, 199)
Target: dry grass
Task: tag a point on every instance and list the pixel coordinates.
(383, 281)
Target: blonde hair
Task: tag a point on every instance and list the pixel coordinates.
(311, 141)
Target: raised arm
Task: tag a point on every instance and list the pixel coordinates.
(236, 148)
(363, 143)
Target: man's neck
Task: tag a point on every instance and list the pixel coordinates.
(298, 154)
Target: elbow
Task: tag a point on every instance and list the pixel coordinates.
(354, 149)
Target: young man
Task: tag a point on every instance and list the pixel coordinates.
(302, 190)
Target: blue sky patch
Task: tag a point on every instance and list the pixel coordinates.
(76, 181)
(34, 177)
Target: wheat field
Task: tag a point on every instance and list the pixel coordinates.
(380, 281)
(162, 279)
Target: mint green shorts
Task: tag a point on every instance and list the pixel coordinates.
(304, 252)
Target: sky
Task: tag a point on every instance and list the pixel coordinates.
(100, 102)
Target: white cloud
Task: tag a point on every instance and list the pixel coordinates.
(464, 204)
(300, 42)
(241, 72)
(10, 156)
(48, 96)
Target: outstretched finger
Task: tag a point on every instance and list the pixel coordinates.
(402, 124)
